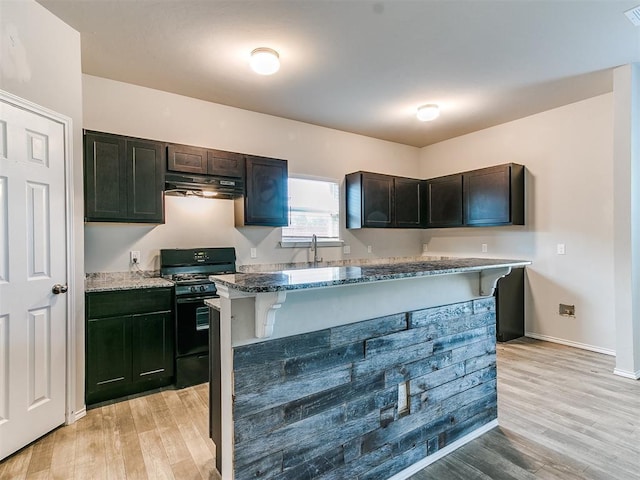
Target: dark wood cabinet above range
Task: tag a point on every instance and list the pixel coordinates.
(124, 179)
(491, 196)
(266, 199)
(204, 161)
(375, 200)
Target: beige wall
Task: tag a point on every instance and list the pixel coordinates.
(117, 107)
(568, 156)
(46, 71)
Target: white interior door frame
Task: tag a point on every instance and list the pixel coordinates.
(66, 122)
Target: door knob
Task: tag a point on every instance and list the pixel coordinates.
(58, 289)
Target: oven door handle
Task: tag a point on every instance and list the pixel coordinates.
(196, 299)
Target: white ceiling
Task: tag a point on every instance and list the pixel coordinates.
(364, 66)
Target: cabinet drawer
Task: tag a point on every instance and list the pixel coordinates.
(128, 302)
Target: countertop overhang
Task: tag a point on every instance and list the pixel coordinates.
(270, 289)
(298, 279)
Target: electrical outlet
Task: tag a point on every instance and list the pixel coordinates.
(425, 247)
(369, 249)
(484, 248)
(346, 249)
(560, 249)
(567, 310)
(254, 253)
(135, 256)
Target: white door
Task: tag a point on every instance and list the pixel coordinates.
(33, 257)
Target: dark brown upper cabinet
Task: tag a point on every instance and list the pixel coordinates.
(494, 196)
(408, 202)
(266, 199)
(204, 161)
(444, 201)
(490, 196)
(124, 179)
(383, 201)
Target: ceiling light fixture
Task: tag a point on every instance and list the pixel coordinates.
(426, 113)
(265, 61)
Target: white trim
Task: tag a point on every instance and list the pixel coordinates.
(303, 176)
(627, 374)
(425, 462)
(70, 296)
(569, 343)
(79, 414)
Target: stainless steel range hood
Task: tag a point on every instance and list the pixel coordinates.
(205, 186)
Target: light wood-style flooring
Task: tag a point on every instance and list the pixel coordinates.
(164, 435)
(562, 415)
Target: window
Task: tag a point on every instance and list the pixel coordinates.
(314, 209)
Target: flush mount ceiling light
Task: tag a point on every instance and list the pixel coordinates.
(426, 113)
(265, 61)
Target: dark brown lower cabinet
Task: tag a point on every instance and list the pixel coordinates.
(510, 306)
(215, 391)
(129, 342)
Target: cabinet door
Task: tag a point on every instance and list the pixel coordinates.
(510, 306)
(108, 357)
(225, 164)
(145, 172)
(408, 202)
(152, 346)
(377, 200)
(183, 158)
(105, 174)
(487, 196)
(266, 198)
(444, 201)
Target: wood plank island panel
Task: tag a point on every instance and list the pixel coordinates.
(335, 410)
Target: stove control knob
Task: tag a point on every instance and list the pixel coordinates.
(202, 288)
(193, 289)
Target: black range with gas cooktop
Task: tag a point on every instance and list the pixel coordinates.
(189, 269)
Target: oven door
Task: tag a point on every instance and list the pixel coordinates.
(192, 325)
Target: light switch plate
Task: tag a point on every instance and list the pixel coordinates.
(561, 250)
(346, 249)
(254, 253)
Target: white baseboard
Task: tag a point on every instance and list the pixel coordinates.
(570, 343)
(416, 467)
(79, 414)
(627, 374)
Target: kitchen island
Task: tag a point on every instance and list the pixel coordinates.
(367, 372)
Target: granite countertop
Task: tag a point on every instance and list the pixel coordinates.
(123, 281)
(213, 303)
(299, 279)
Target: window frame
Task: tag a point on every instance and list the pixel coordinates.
(301, 242)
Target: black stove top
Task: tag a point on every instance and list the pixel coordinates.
(190, 268)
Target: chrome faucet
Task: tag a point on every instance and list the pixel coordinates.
(314, 247)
